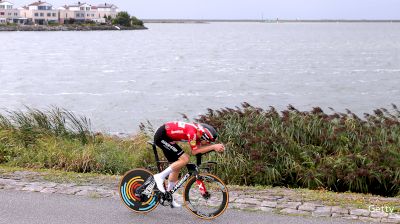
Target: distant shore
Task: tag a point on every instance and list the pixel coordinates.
(266, 21)
(68, 28)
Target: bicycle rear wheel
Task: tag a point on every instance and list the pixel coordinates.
(208, 202)
(127, 187)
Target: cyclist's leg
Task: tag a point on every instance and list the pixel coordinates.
(176, 167)
(172, 152)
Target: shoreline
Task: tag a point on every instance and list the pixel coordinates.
(201, 21)
(68, 28)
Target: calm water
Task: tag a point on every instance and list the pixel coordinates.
(119, 79)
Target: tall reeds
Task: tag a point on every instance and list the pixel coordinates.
(59, 139)
(312, 149)
(30, 123)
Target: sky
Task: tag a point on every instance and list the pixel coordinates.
(249, 9)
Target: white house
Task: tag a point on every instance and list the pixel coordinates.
(8, 13)
(106, 10)
(86, 12)
(78, 12)
(40, 13)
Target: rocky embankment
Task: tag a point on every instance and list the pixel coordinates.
(69, 28)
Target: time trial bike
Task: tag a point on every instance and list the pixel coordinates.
(205, 195)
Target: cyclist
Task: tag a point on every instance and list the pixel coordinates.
(198, 135)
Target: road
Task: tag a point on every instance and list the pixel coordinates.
(31, 208)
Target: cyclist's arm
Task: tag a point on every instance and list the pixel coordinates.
(202, 149)
(196, 149)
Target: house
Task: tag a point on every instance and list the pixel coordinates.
(79, 12)
(40, 13)
(85, 12)
(7, 13)
(43, 13)
(106, 10)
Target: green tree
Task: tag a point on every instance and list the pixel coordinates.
(136, 21)
(123, 19)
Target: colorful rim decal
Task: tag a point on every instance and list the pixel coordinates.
(129, 183)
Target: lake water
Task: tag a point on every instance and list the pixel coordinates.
(122, 78)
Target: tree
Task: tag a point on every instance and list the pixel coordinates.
(123, 19)
(136, 21)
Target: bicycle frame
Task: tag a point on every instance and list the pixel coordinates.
(193, 170)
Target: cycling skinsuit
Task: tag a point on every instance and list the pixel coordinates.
(171, 132)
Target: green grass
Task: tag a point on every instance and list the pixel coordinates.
(298, 149)
(59, 176)
(60, 140)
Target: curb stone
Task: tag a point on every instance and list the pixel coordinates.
(322, 212)
(267, 200)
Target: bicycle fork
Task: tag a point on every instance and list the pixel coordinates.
(202, 189)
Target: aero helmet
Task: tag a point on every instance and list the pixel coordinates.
(209, 133)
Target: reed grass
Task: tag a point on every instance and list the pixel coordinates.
(309, 149)
(59, 139)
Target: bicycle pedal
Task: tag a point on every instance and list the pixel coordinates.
(165, 199)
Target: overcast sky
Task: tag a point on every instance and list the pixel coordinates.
(250, 9)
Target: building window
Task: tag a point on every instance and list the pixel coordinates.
(82, 8)
(1, 13)
(36, 14)
(87, 8)
(9, 13)
(15, 14)
(54, 15)
(9, 6)
(48, 14)
(2, 7)
(41, 14)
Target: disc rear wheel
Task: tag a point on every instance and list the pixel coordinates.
(130, 182)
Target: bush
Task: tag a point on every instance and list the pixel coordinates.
(70, 21)
(53, 23)
(339, 152)
(123, 19)
(136, 21)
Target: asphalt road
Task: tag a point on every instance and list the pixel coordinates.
(31, 208)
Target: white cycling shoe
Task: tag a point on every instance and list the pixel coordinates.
(159, 182)
(175, 204)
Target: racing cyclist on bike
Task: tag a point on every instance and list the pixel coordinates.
(198, 135)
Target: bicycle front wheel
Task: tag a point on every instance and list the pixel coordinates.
(206, 197)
